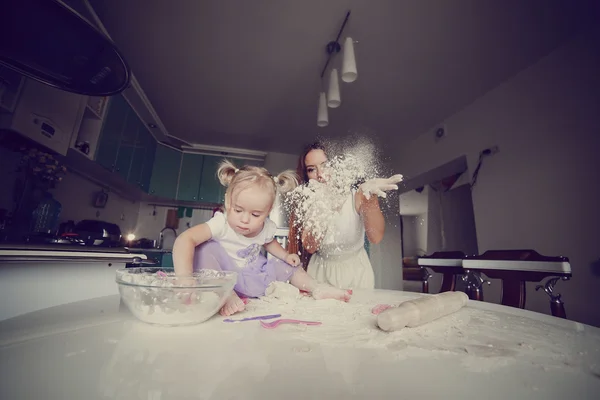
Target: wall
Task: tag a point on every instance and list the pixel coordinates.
(76, 197)
(278, 162)
(459, 220)
(540, 190)
(409, 235)
(386, 257)
(421, 231)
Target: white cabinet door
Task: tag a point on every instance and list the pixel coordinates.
(48, 115)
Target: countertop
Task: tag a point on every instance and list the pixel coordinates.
(94, 349)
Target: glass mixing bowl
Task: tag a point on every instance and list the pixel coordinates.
(157, 296)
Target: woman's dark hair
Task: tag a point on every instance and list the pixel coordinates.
(301, 170)
(295, 243)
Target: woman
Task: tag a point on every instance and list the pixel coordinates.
(346, 264)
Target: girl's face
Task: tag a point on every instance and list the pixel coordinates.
(248, 210)
(315, 163)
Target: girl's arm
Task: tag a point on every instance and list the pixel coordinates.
(274, 248)
(371, 215)
(185, 244)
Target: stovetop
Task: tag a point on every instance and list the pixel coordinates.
(61, 247)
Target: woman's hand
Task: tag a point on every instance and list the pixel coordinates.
(292, 259)
(378, 186)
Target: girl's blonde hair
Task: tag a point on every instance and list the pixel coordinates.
(233, 178)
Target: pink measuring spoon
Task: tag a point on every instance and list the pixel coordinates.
(276, 323)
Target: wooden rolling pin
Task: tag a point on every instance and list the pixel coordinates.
(421, 311)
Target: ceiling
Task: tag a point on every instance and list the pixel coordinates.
(246, 74)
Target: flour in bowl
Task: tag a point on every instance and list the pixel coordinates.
(159, 298)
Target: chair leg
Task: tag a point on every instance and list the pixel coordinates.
(558, 308)
(474, 282)
(513, 293)
(448, 283)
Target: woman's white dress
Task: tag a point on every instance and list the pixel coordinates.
(342, 260)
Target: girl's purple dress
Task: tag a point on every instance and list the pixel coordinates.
(254, 278)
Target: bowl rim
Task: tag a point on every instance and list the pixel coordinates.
(228, 274)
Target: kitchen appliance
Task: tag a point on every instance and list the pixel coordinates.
(35, 277)
(42, 238)
(99, 233)
(48, 41)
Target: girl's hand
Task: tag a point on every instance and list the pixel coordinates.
(292, 259)
(378, 186)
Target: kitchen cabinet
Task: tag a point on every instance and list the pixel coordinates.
(149, 147)
(211, 190)
(126, 147)
(127, 144)
(47, 115)
(190, 176)
(110, 137)
(142, 159)
(165, 172)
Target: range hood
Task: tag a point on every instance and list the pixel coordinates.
(47, 41)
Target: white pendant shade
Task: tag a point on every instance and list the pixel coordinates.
(349, 72)
(333, 95)
(322, 117)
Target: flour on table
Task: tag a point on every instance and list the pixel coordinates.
(282, 291)
(483, 341)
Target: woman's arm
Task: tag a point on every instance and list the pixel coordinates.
(309, 242)
(371, 215)
(185, 244)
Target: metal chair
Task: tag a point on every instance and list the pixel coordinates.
(515, 268)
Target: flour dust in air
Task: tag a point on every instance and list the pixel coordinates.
(316, 204)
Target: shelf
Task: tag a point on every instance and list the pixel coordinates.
(90, 112)
(96, 106)
(13, 84)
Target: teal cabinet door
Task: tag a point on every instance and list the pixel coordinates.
(165, 172)
(137, 166)
(148, 165)
(123, 163)
(110, 137)
(211, 190)
(190, 177)
(125, 152)
(139, 153)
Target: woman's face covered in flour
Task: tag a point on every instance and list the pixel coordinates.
(315, 162)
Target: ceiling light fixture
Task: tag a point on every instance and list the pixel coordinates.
(349, 74)
(333, 95)
(322, 116)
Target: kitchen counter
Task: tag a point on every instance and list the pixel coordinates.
(94, 349)
(36, 277)
(143, 251)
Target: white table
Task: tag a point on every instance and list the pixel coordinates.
(95, 350)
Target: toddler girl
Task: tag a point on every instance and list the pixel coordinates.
(233, 241)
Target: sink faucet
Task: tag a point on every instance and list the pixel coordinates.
(161, 236)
